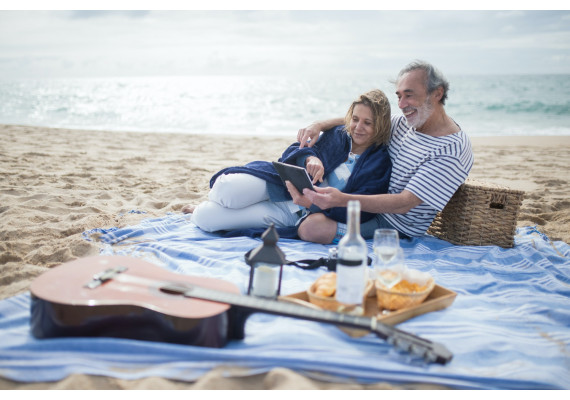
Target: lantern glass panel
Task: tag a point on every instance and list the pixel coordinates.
(265, 280)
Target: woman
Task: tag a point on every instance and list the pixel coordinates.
(353, 158)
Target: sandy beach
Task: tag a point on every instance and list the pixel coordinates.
(58, 183)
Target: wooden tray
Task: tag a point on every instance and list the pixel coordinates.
(438, 299)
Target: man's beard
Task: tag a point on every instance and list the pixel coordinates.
(421, 115)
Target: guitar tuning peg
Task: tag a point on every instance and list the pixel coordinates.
(404, 345)
(429, 356)
(418, 351)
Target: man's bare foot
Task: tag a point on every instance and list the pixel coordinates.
(189, 209)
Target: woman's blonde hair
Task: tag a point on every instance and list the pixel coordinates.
(378, 103)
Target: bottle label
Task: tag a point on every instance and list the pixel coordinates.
(350, 282)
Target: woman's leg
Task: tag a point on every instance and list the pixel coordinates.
(238, 190)
(320, 229)
(210, 216)
(235, 191)
(317, 228)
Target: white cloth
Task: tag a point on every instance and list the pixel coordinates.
(241, 201)
(340, 175)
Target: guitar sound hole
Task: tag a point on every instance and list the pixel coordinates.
(174, 289)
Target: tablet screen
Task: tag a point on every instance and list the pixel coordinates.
(297, 175)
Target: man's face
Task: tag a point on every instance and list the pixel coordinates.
(413, 99)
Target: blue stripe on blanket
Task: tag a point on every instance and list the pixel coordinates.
(508, 327)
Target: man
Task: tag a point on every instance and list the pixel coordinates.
(431, 158)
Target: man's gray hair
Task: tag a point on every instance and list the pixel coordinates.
(434, 76)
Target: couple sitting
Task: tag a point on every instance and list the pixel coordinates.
(402, 169)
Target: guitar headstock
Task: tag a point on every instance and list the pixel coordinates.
(431, 352)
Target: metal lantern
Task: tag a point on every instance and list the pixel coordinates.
(266, 266)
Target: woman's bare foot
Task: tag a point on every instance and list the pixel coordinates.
(189, 209)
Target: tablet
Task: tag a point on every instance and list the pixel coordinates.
(298, 176)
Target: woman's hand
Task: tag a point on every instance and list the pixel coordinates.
(315, 168)
(308, 136)
(297, 197)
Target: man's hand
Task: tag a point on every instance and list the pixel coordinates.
(315, 168)
(325, 198)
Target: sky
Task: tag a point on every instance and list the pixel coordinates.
(104, 43)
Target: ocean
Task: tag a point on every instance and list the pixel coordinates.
(485, 105)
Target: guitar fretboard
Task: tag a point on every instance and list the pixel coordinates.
(401, 339)
(282, 308)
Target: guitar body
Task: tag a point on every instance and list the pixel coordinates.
(131, 305)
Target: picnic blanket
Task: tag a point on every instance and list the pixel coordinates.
(508, 328)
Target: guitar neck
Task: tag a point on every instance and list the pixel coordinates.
(430, 351)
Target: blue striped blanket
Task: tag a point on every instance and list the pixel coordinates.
(508, 328)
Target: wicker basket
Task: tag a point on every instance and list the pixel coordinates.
(479, 214)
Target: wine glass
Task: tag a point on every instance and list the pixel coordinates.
(388, 257)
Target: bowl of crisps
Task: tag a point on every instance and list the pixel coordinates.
(413, 289)
(322, 292)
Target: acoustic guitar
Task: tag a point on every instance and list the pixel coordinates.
(126, 297)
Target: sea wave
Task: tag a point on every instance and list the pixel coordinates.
(274, 106)
(532, 107)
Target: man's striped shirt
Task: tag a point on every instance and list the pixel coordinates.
(430, 167)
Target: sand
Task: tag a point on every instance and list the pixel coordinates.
(57, 183)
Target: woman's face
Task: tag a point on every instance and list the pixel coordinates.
(362, 126)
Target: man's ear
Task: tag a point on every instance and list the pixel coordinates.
(437, 94)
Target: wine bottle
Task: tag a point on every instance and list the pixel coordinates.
(352, 262)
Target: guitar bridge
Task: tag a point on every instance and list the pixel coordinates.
(102, 277)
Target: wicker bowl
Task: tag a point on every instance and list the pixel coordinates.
(390, 299)
(329, 302)
(326, 303)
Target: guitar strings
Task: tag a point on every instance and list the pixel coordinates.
(133, 283)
